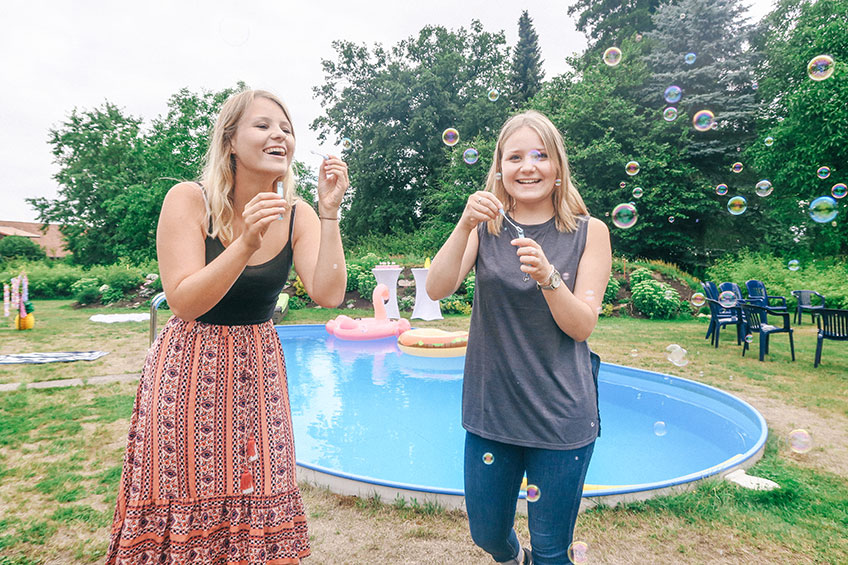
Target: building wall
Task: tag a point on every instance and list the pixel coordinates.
(50, 240)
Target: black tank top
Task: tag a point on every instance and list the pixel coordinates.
(252, 298)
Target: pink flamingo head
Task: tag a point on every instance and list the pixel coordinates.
(379, 298)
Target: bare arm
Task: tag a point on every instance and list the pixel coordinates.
(454, 260)
(192, 286)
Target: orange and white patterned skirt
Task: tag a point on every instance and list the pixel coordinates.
(209, 470)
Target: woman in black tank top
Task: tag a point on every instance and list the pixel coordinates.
(209, 470)
(529, 402)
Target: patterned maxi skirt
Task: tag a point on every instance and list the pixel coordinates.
(209, 470)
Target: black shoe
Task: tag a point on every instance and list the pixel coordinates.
(528, 556)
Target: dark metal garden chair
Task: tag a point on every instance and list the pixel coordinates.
(755, 323)
(805, 304)
(758, 296)
(720, 317)
(833, 324)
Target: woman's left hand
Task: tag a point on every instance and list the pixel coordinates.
(533, 259)
(332, 184)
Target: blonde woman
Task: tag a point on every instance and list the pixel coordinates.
(209, 470)
(529, 401)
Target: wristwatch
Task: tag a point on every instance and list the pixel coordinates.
(553, 282)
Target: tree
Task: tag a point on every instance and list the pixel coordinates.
(526, 76)
(394, 105)
(19, 247)
(606, 23)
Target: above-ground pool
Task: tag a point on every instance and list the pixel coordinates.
(364, 411)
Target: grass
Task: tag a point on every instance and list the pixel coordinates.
(61, 452)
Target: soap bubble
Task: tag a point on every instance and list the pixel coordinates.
(470, 155)
(800, 441)
(534, 155)
(794, 264)
(721, 189)
(612, 56)
(820, 67)
(622, 184)
(689, 58)
(670, 114)
(823, 209)
(488, 458)
(624, 216)
(673, 94)
(839, 190)
(533, 493)
(703, 120)
(671, 219)
(737, 205)
(660, 428)
(578, 552)
(755, 85)
(637, 192)
(631, 168)
(736, 167)
(749, 338)
(764, 188)
(493, 94)
(823, 172)
(346, 143)
(678, 357)
(698, 299)
(450, 137)
(769, 141)
(727, 299)
(634, 353)
(638, 37)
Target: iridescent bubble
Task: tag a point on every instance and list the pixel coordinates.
(638, 37)
(631, 168)
(698, 299)
(612, 56)
(622, 184)
(721, 189)
(634, 353)
(823, 172)
(736, 167)
(673, 94)
(535, 155)
(749, 338)
(624, 216)
(533, 493)
(820, 67)
(470, 155)
(450, 137)
(689, 58)
(346, 143)
(737, 205)
(800, 441)
(755, 85)
(637, 192)
(660, 428)
(678, 357)
(727, 299)
(703, 120)
(764, 188)
(670, 114)
(793, 265)
(839, 190)
(493, 94)
(769, 141)
(823, 209)
(671, 219)
(488, 458)
(578, 552)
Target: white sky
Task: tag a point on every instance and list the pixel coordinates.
(58, 55)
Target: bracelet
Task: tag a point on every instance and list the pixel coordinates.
(336, 219)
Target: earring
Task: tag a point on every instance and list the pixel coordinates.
(558, 182)
(498, 176)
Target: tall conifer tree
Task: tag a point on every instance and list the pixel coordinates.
(527, 74)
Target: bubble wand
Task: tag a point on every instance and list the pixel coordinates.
(518, 230)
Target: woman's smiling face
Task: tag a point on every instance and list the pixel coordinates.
(528, 172)
(263, 141)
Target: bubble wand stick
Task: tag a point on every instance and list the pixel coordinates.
(518, 230)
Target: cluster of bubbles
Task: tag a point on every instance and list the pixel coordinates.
(677, 355)
(578, 552)
(800, 441)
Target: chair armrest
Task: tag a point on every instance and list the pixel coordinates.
(782, 314)
(822, 299)
(781, 298)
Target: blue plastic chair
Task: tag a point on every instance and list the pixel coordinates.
(758, 296)
(720, 317)
(833, 324)
(755, 324)
(805, 304)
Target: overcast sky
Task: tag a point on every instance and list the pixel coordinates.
(59, 55)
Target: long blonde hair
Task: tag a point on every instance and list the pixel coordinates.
(568, 203)
(219, 165)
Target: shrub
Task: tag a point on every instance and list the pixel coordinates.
(470, 284)
(86, 291)
(639, 275)
(366, 283)
(454, 304)
(297, 303)
(19, 247)
(406, 303)
(300, 290)
(123, 279)
(353, 271)
(655, 299)
(613, 286)
(110, 294)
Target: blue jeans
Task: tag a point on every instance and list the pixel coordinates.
(493, 473)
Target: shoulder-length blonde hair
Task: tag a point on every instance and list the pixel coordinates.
(567, 201)
(219, 165)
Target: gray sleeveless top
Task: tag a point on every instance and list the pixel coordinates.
(526, 382)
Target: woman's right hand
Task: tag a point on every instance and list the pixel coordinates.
(263, 209)
(482, 206)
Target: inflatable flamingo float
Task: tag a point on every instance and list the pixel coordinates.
(345, 327)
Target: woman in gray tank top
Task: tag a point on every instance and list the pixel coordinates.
(529, 401)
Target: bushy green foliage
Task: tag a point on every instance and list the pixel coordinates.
(19, 247)
(353, 272)
(639, 275)
(86, 290)
(470, 285)
(655, 299)
(366, 283)
(454, 304)
(613, 286)
(46, 279)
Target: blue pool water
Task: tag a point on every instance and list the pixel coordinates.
(365, 410)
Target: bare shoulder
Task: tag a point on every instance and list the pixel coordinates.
(187, 193)
(597, 228)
